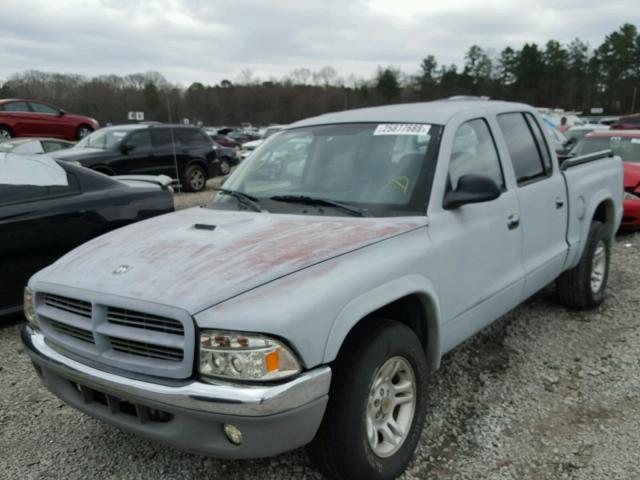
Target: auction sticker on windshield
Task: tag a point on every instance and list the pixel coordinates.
(402, 129)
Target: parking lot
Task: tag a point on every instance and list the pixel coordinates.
(544, 393)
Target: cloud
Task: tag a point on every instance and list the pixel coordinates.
(206, 41)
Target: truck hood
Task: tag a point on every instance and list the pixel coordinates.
(181, 260)
(631, 174)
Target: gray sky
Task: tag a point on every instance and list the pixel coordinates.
(209, 40)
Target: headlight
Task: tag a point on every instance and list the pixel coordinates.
(631, 196)
(240, 356)
(29, 307)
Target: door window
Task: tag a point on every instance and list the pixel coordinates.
(191, 137)
(16, 107)
(42, 108)
(140, 140)
(543, 148)
(523, 149)
(25, 193)
(161, 137)
(474, 153)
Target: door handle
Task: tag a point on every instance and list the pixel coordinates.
(513, 221)
(559, 203)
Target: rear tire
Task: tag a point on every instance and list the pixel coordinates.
(368, 430)
(195, 179)
(583, 286)
(224, 167)
(5, 134)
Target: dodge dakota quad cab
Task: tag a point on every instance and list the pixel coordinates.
(308, 303)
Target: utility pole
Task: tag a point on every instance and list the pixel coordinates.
(633, 101)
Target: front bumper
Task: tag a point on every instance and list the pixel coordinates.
(190, 416)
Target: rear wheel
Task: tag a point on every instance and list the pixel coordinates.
(584, 285)
(5, 134)
(83, 131)
(224, 166)
(195, 179)
(377, 405)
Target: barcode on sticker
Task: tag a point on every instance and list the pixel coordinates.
(402, 129)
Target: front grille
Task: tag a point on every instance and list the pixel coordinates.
(128, 318)
(78, 333)
(77, 307)
(146, 349)
(156, 342)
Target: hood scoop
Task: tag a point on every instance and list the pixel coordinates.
(204, 226)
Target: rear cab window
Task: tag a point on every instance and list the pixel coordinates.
(523, 139)
(16, 107)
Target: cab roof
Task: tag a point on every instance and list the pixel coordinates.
(438, 112)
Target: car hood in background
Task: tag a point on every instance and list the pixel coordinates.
(172, 261)
(631, 174)
(76, 153)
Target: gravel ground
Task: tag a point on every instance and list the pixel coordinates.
(544, 393)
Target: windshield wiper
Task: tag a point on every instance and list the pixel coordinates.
(243, 198)
(306, 200)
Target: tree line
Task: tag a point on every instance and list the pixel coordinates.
(571, 76)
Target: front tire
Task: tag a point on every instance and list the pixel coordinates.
(195, 179)
(583, 286)
(377, 405)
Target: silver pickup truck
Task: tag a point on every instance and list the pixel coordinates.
(308, 303)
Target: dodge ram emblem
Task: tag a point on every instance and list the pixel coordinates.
(121, 269)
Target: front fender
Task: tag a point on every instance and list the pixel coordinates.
(382, 295)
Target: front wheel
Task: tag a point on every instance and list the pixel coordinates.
(584, 285)
(377, 405)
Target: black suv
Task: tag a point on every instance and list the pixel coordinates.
(179, 151)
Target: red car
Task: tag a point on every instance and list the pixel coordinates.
(630, 122)
(625, 144)
(33, 118)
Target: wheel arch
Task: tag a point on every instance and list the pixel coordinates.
(200, 162)
(410, 300)
(8, 127)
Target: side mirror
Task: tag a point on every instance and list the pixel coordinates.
(61, 112)
(471, 189)
(126, 148)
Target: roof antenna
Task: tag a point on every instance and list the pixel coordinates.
(173, 142)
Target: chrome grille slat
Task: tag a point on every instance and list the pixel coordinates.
(78, 333)
(145, 321)
(78, 307)
(145, 349)
(120, 334)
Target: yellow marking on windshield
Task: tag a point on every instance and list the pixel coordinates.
(401, 182)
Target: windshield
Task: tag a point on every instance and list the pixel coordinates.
(626, 148)
(103, 139)
(378, 167)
